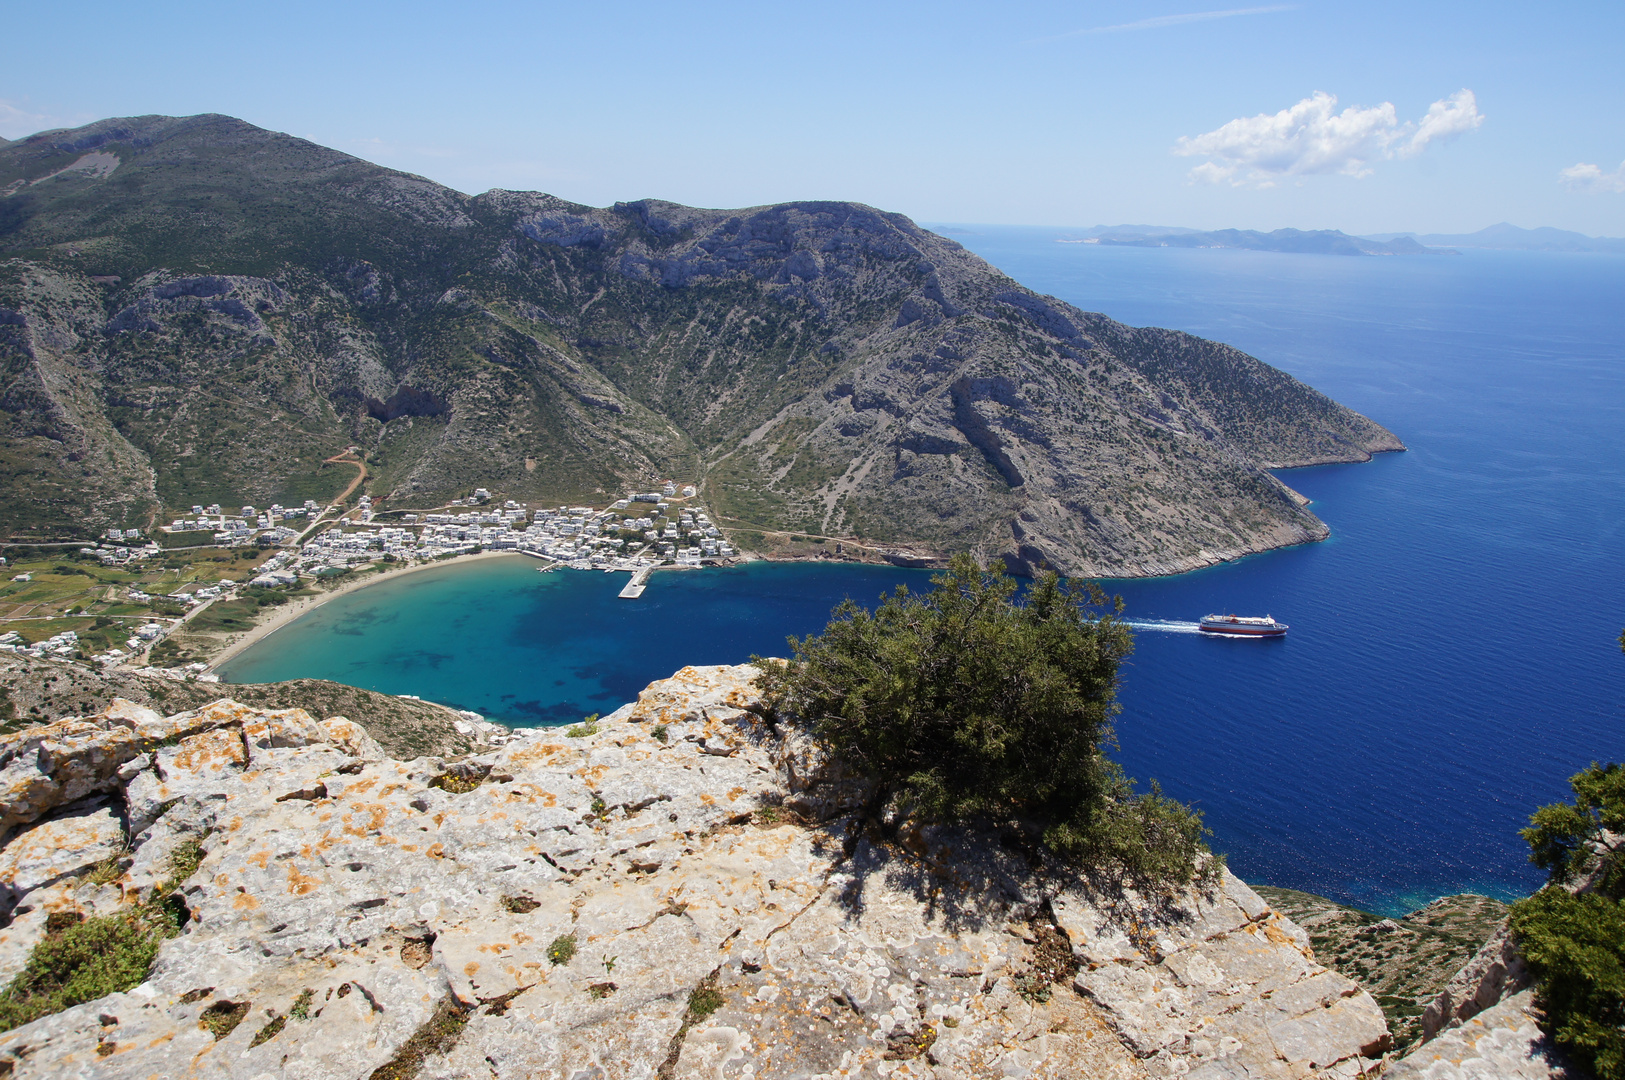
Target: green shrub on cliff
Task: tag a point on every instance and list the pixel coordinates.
(1575, 942)
(81, 959)
(964, 703)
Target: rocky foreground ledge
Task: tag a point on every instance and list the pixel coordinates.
(682, 893)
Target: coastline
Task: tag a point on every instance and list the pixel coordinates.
(304, 605)
(281, 616)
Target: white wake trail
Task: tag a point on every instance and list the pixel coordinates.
(1167, 626)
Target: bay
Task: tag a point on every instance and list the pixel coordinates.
(1453, 656)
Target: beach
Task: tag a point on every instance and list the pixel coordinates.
(276, 618)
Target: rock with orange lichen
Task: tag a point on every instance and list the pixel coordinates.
(81, 836)
(44, 767)
(351, 738)
(623, 904)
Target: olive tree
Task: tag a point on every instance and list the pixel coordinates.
(967, 702)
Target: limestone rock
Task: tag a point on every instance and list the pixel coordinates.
(352, 738)
(131, 714)
(816, 782)
(44, 767)
(621, 905)
(1503, 1042)
(1496, 972)
(78, 838)
(1222, 982)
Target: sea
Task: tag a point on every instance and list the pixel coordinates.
(1454, 653)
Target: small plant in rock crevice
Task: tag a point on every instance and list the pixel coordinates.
(84, 959)
(184, 861)
(270, 1031)
(105, 872)
(704, 1001)
(301, 1005)
(222, 1018)
(455, 783)
(562, 950)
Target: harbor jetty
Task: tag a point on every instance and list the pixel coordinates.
(635, 587)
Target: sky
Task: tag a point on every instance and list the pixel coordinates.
(1366, 117)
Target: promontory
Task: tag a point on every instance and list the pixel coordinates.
(197, 310)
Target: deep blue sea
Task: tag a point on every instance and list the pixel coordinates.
(1453, 657)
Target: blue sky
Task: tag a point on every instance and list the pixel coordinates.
(1016, 113)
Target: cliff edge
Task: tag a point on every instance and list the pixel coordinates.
(678, 892)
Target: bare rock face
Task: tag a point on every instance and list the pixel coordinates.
(1496, 971)
(682, 893)
(43, 767)
(1503, 1042)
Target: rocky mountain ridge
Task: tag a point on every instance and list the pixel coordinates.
(197, 309)
(682, 892)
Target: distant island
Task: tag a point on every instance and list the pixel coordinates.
(1506, 237)
(1296, 241)
(1503, 237)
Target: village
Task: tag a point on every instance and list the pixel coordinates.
(283, 550)
(640, 531)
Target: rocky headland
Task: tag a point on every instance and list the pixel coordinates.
(213, 311)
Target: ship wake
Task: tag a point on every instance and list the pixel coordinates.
(1167, 626)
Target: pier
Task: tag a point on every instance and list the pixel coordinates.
(635, 587)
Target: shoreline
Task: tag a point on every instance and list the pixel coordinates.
(304, 605)
(287, 613)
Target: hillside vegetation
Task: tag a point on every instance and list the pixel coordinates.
(1403, 962)
(196, 310)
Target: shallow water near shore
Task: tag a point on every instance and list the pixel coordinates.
(1452, 656)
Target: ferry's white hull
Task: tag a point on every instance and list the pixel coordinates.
(1241, 626)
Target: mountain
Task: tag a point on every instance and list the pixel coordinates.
(1511, 238)
(196, 310)
(1295, 241)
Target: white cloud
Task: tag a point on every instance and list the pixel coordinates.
(1592, 178)
(1313, 138)
(1159, 21)
(1445, 119)
(17, 120)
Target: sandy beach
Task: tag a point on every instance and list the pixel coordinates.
(276, 618)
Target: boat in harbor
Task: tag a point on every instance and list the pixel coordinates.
(1243, 626)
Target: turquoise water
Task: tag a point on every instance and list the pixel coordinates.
(500, 638)
(1452, 658)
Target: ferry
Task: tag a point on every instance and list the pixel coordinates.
(1243, 626)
